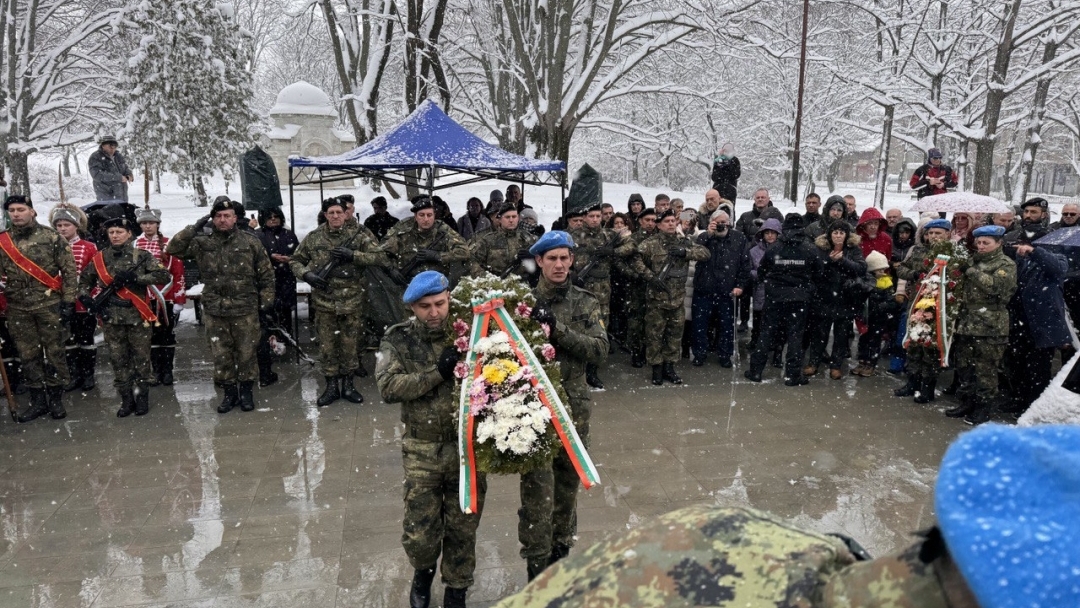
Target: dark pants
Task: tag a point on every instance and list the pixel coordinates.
(870, 342)
(841, 346)
(1027, 368)
(789, 317)
(703, 309)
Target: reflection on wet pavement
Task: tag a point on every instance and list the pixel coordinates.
(296, 506)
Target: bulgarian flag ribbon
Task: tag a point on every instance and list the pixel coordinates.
(942, 332)
(487, 313)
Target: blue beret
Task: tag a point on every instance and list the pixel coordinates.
(938, 223)
(995, 231)
(426, 283)
(1008, 505)
(552, 239)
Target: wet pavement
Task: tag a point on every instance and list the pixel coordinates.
(293, 505)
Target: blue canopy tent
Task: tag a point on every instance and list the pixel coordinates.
(425, 142)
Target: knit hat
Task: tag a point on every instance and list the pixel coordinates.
(18, 199)
(529, 214)
(876, 261)
(1008, 506)
(553, 239)
(148, 215)
(933, 153)
(427, 283)
(938, 223)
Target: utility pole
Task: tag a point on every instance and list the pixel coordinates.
(794, 183)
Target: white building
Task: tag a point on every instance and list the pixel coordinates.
(304, 123)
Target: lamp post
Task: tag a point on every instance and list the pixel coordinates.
(794, 193)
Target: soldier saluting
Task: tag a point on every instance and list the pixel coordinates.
(127, 314)
(41, 286)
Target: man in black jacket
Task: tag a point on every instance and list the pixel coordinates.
(725, 172)
(788, 270)
(717, 281)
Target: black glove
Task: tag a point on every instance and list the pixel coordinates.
(342, 254)
(657, 284)
(578, 281)
(678, 253)
(87, 302)
(266, 317)
(67, 313)
(125, 278)
(523, 254)
(428, 255)
(396, 276)
(606, 251)
(201, 224)
(316, 281)
(448, 359)
(541, 313)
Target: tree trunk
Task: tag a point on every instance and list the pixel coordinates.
(200, 191)
(995, 97)
(67, 161)
(883, 158)
(1038, 110)
(157, 181)
(19, 181)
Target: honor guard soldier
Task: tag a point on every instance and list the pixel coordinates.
(504, 250)
(593, 259)
(167, 299)
(427, 244)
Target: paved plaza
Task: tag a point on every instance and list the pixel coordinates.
(297, 506)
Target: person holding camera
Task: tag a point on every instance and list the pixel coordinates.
(718, 281)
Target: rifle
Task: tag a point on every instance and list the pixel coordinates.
(416, 262)
(664, 272)
(329, 267)
(101, 300)
(585, 270)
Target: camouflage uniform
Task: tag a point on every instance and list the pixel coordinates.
(923, 362)
(33, 309)
(664, 311)
(579, 339)
(403, 245)
(406, 373)
(982, 328)
(588, 243)
(238, 281)
(496, 250)
(711, 556)
(339, 308)
(127, 335)
(628, 257)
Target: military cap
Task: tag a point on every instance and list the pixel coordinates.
(118, 222)
(579, 212)
(553, 239)
(18, 199)
(347, 198)
(636, 198)
(222, 203)
(938, 223)
(427, 283)
(1008, 506)
(107, 139)
(148, 215)
(665, 214)
(65, 214)
(992, 231)
(503, 208)
(646, 211)
(597, 206)
(332, 202)
(422, 202)
(1036, 202)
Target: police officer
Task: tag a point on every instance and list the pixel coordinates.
(345, 249)
(577, 332)
(41, 290)
(982, 325)
(238, 292)
(127, 313)
(593, 258)
(664, 261)
(628, 258)
(505, 249)
(426, 244)
(416, 369)
(171, 302)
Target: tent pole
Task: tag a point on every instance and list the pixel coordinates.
(292, 206)
(322, 197)
(431, 180)
(562, 190)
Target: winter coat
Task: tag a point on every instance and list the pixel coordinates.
(281, 241)
(788, 269)
(654, 256)
(107, 172)
(728, 265)
(756, 254)
(988, 286)
(148, 271)
(725, 177)
(821, 226)
(882, 242)
(920, 184)
(750, 222)
(1038, 306)
(235, 270)
(468, 229)
(900, 248)
(380, 223)
(836, 290)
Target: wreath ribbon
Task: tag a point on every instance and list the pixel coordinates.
(942, 335)
(484, 313)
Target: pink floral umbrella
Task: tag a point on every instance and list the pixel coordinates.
(966, 202)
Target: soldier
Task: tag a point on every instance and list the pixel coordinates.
(982, 327)
(345, 250)
(127, 314)
(167, 299)
(577, 332)
(69, 221)
(416, 369)
(237, 297)
(664, 263)
(923, 364)
(593, 256)
(41, 289)
(504, 250)
(628, 258)
(366, 327)
(425, 244)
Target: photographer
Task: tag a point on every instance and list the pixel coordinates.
(717, 281)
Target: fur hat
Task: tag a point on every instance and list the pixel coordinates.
(148, 215)
(70, 213)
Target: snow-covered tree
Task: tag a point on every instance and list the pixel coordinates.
(187, 90)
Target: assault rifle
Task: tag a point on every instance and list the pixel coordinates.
(416, 258)
(585, 270)
(329, 267)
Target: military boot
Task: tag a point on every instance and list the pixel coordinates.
(925, 393)
(670, 375)
(361, 371)
(247, 399)
(231, 400)
(979, 414)
(39, 406)
(155, 366)
(558, 551)
(348, 391)
(75, 368)
(127, 403)
(168, 356)
(658, 374)
(89, 359)
(55, 396)
(534, 567)
(967, 405)
(14, 372)
(953, 386)
(330, 394)
(454, 598)
(142, 399)
(908, 390)
(637, 357)
(420, 591)
(266, 373)
(592, 377)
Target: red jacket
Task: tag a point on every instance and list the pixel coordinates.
(174, 291)
(922, 186)
(882, 243)
(84, 251)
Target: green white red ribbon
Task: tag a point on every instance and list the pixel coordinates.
(485, 312)
(944, 340)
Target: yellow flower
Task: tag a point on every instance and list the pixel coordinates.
(498, 371)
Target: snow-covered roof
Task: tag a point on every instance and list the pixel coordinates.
(286, 131)
(303, 98)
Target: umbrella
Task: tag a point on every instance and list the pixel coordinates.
(966, 202)
(1062, 237)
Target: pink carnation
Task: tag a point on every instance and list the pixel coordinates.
(523, 310)
(462, 344)
(461, 328)
(461, 370)
(547, 330)
(548, 352)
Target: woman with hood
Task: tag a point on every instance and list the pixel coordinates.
(834, 210)
(873, 231)
(834, 300)
(765, 239)
(903, 239)
(280, 243)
